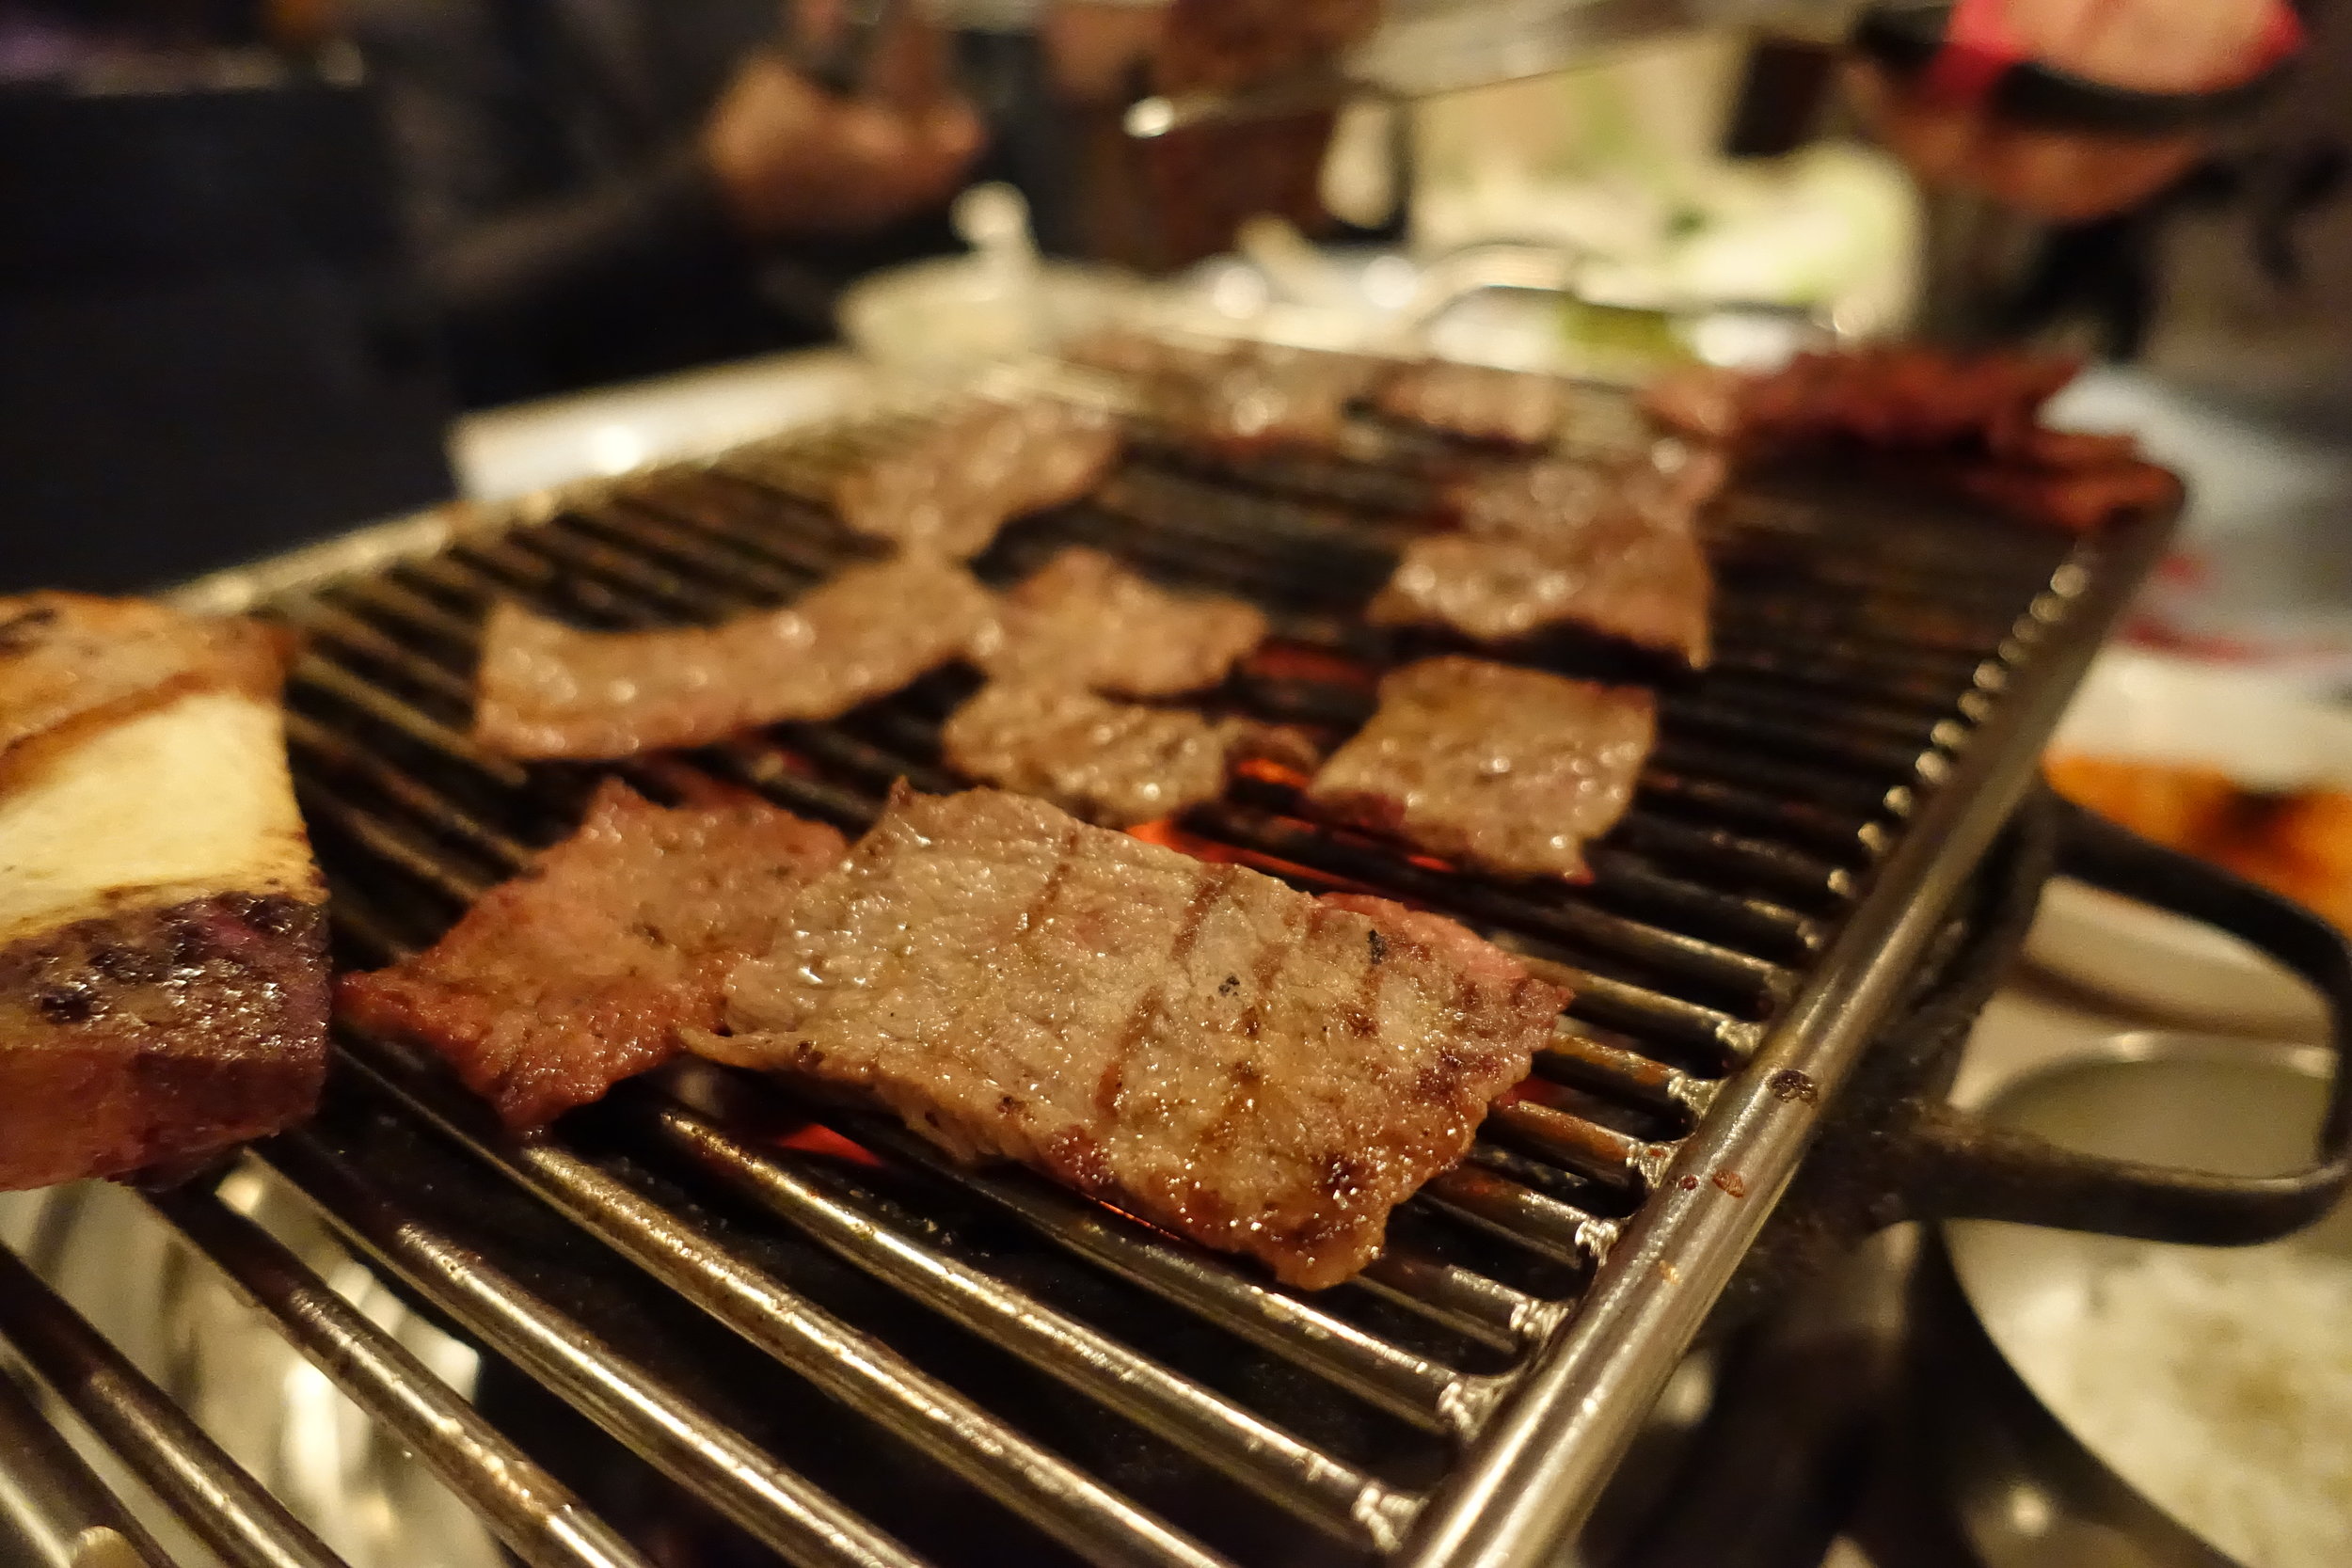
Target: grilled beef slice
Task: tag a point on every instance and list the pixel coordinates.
(1259, 1069)
(1083, 620)
(1234, 396)
(1970, 422)
(1482, 403)
(951, 489)
(548, 689)
(1610, 553)
(1114, 763)
(1505, 769)
(581, 971)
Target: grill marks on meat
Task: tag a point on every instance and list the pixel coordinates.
(1977, 418)
(548, 689)
(950, 491)
(1519, 408)
(581, 971)
(1239, 1062)
(163, 955)
(1117, 763)
(1085, 621)
(1505, 769)
(1613, 553)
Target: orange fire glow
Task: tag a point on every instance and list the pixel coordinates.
(1294, 661)
(1167, 834)
(814, 1138)
(1267, 771)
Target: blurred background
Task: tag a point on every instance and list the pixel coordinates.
(271, 267)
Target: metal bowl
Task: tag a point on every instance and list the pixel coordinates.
(2113, 1404)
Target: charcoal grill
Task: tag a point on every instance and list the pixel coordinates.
(925, 1364)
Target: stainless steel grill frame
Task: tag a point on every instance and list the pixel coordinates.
(1886, 676)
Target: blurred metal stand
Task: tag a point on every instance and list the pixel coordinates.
(55, 1512)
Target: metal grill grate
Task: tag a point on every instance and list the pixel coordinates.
(1070, 1380)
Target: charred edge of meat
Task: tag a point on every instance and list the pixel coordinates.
(160, 1035)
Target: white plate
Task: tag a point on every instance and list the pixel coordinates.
(2258, 731)
(501, 452)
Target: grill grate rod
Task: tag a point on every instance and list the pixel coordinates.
(846, 1363)
(774, 1505)
(206, 1489)
(1513, 1211)
(1424, 1392)
(333, 755)
(361, 695)
(55, 1512)
(1340, 1499)
(1856, 841)
(1577, 1058)
(1703, 965)
(1452, 1297)
(536, 1516)
(1533, 1220)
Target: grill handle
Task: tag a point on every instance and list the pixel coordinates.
(1964, 1168)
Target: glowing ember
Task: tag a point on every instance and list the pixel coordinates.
(817, 1138)
(1291, 661)
(1267, 771)
(1166, 834)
